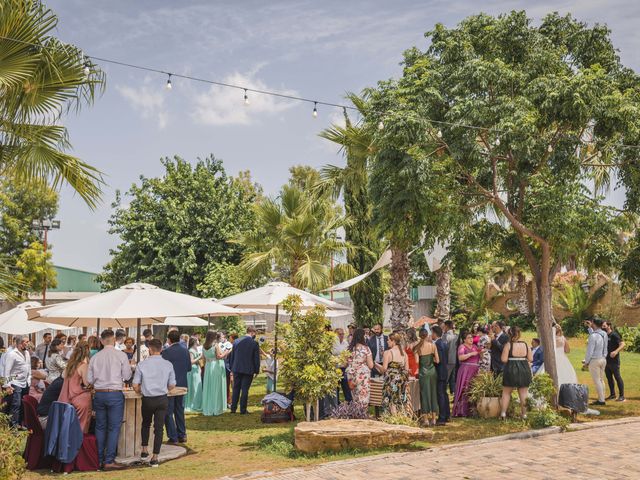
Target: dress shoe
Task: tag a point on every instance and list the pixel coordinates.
(182, 440)
(621, 399)
(611, 397)
(172, 442)
(598, 402)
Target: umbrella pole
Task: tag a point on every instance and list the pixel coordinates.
(208, 322)
(138, 324)
(275, 354)
(98, 328)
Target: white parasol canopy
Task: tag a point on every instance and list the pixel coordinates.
(274, 293)
(185, 322)
(128, 306)
(15, 321)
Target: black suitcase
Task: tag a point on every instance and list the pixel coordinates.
(574, 396)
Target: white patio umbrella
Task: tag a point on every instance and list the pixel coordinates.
(15, 321)
(127, 306)
(185, 322)
(271, 296)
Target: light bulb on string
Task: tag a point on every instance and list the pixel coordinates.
(169, 86)
(246, 97)
(439, 134)
(315, 110)
(549, 148)
(87, 69)
(380, 125)
(497, 142)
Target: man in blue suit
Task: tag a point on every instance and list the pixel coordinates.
(444, 413)
(181, 361)
(244, 361)
(377, 345)
(538, 355)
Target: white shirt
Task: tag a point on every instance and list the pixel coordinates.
(120, 346)
(17, 368)
(340, 346)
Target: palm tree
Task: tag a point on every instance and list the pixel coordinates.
(295, 239)
(475, 297)
(41, 78)
(351, 181)
(579, 302)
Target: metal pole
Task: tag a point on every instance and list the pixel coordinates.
(138, 335)
(275, 354)
(98, 328)
(208, 322)
(44, 270)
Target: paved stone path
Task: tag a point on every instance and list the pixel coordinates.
(609, 451)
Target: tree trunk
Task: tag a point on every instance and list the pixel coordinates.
(522, 302)
(545, 323)
(307, 411)
(443, 293)
(399, 299)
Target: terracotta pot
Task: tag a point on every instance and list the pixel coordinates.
(489, 407)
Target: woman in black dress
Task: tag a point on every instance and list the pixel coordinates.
(517, 358)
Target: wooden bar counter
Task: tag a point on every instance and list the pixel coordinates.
(130, 440)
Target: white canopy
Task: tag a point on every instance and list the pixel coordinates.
(129, 305)
(185, 322)
(273, 294)
(383, 261)
(15, 321)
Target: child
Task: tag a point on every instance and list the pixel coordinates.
(269, 370)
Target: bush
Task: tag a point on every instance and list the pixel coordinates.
(547, 417)
(541, 391)
(350, 410)
(523, 322)
(631, 337)
(12, 466)
(572, 326)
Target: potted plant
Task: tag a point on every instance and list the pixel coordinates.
(485, 391)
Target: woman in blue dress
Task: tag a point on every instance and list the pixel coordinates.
(193, 400)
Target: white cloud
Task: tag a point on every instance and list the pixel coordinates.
(148, 100)
(225, 106)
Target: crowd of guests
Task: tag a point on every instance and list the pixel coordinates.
(91, 374)
(445, 361)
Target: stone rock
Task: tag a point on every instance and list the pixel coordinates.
(336, 435)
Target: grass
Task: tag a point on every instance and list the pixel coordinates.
(233, 444)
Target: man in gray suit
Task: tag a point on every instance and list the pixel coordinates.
(451, 337)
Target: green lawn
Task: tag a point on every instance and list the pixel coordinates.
(232, 444)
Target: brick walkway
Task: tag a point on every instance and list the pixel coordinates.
(610, 451)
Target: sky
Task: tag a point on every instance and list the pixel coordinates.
(318, 50)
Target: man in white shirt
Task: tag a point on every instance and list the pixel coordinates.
(340, 345)
(121, 336)
(596, 357)
(17, 373)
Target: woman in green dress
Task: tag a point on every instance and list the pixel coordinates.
(214, 390)
(193, 400)
(426, 355)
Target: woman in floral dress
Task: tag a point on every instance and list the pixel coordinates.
(484, 343)
(395, 367)
(359, 368)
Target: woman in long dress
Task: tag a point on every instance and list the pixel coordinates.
(395, 367)
(214, 389)
(469, 357)
(75, 387)
(193, 400)
(566, 372)
(359, 368)
(426, 354)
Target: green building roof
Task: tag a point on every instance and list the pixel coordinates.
(73, 280)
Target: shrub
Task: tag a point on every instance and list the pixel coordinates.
(523, 322)
(484, 384)
(12, 466)
(547, 417)
(541, 391)
(350, 410)
(631, 337)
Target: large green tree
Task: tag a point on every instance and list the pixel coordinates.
(351, 181)
(176, 229)
(525, 117)
(41, 79)
(296, 234)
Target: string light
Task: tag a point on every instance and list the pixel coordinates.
(315, 109)
(380, 125)
(246, 97)
(169, 87)
(497, 143)
(439, 134)
(549, 149)
(86, 69)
